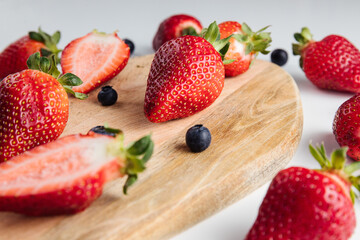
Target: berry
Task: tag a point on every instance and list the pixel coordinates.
(13, 58)
(104, 131)
(107, 96)
(244, 46)
(65, 176)
(130, 44)
(176, 26)
(34, 106)
(198, 138)
(346, 126)
(186, 76)
(310, 204)
(332, 63)
(96, 58)
(279, 57)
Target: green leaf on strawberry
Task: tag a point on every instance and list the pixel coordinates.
(49, 41)
(48, 65)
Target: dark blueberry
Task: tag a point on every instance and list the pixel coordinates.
(102, 130)
(279, 57)
(130, 44)
(107, 96)
(198, 138)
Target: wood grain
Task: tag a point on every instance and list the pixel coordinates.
(256, 125)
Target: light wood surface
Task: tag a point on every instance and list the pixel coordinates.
(256, 125)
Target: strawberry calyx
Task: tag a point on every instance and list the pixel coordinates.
(212, 35)
(255, 42)
(48, 65)
(136, 154)
(49, 41)
(336, 165)
(189, 31)
(303, 38)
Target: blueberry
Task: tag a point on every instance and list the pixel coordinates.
(198, 138)
(130, 44)
(107, 96)
(102, 130)
(279, 57)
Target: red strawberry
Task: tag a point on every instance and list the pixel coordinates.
(176, 26)
(244, 47)
(346, 126)
(186, 76)
(304, 204)
(332, 63)
(67, 175)
(34, 106)
(96, 58)
(13, 58)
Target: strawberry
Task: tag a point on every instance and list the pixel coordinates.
(244, 46)
(34, 106)
(304, 204)
(186, 76)
(65, 176)
(13, 58)
(95, 58)
(332, 63)
(176, 26)
(346, 126)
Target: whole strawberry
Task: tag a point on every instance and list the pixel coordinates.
(176, 26)
(65, 176)
(346, 126)
(244, 46)
(186, 76)
(304, 204)
(13, 58)
(34, 106)
(332, 63)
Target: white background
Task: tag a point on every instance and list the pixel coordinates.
(138, 20)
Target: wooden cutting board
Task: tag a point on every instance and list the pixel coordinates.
(256, 125)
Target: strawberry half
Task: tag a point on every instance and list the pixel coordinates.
(244, 46)
(310, 204)
(13, 58)
(34, 106)
(176, 26)
(186, 76)
(332, 63)
(95, 58)
(67, 175)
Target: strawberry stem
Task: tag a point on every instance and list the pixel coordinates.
(49, 41)
(48, 65)
(212, 35)
(136, 156)
(189, 31)
(337, 165)
(255, 42)
(303, 38)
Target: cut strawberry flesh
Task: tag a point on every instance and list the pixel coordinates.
(95, 58)
(58, 165)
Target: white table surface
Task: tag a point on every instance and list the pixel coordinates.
(139, 20)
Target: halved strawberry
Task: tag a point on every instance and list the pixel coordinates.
(67, 175)
(95, 58)
(244, 47)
